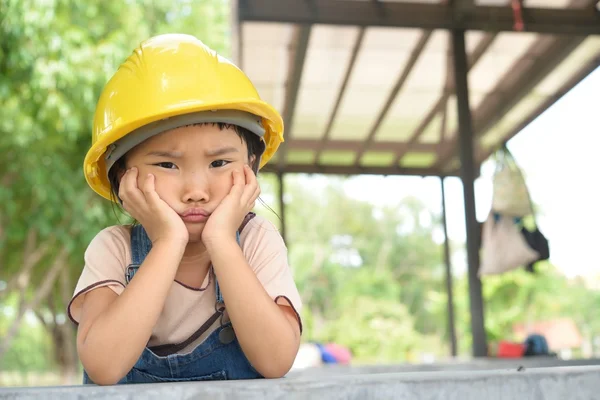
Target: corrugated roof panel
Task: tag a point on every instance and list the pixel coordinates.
(582, 55)
(420, 92)
(418, 160)
(266, 59)
(377, 159)
(500, 58)
(300, 157)
(328, 55)
(380, 61)
(337, 157)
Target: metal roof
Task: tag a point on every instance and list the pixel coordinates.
(367, 87)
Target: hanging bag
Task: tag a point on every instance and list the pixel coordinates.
(503, 247)
(510, 193)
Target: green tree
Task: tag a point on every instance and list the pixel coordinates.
(55, 57)
(355, 264)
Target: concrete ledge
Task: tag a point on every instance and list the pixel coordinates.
(477, 364)
(559, 383)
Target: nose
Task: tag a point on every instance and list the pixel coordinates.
(196, 188)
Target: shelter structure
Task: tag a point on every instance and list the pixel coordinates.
(428, 87)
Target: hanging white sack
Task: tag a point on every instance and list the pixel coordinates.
(503, 247)
(511, 196)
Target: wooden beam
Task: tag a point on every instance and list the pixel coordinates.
(449, 89)
(569, 21)
(297, 57)
(416, 53)
(491, 110)
(340, 96)
(587, 69)
(354, 145)
(351, 170)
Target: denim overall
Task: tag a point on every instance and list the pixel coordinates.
(218, 357)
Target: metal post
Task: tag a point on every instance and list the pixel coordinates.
(451, 325)
(281, 204)
(465, 141)
(236, 31)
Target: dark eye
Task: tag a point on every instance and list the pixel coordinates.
(167, 165)
(219, 163)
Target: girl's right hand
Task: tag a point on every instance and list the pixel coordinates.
(159, 220)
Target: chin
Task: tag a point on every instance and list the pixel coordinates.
(195, 239)
(195, 235)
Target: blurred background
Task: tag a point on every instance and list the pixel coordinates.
(367, 251)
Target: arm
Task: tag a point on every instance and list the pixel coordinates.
(114, 330)
(269, 334)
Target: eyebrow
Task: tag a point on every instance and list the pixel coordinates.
(167, 154)
(221, 151)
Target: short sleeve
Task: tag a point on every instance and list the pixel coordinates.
(105, 261)
(266, 253)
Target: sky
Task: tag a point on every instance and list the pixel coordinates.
(557, 153)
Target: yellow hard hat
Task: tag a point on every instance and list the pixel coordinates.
(169, 81)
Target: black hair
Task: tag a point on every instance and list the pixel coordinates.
(254, 144)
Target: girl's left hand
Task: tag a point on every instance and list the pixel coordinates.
(229, 214)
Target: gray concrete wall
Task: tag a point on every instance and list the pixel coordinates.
(557, 383)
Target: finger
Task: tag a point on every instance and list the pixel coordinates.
(149, 190)
(123, 183)
(251, 191)
(251, 186)
(252, 200)
(249, 175)
(256, 193)
(128, 186)
(238, 183)
(239, 177)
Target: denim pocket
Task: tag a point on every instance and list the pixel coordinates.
(137, 376)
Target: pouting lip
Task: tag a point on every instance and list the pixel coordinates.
(195, 211)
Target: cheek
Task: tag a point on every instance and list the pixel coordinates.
(165, 186)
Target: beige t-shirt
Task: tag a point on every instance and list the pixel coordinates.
(186, 308)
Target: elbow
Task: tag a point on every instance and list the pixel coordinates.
(104, 377)
(275, 372)
(275, 368)
(279, 362)
(99, 372)
(103, 368)
(106, 380)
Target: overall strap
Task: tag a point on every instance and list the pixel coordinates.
(167, 349)
(140, 247)
(247, 219)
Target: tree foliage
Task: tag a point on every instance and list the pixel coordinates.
(55, 57)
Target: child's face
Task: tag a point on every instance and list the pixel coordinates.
(192, 166)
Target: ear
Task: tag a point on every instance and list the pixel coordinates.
(255, 158)
(254, 162)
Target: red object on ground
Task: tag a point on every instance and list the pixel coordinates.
(510, 349)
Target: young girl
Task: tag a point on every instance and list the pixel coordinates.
(198, 288)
